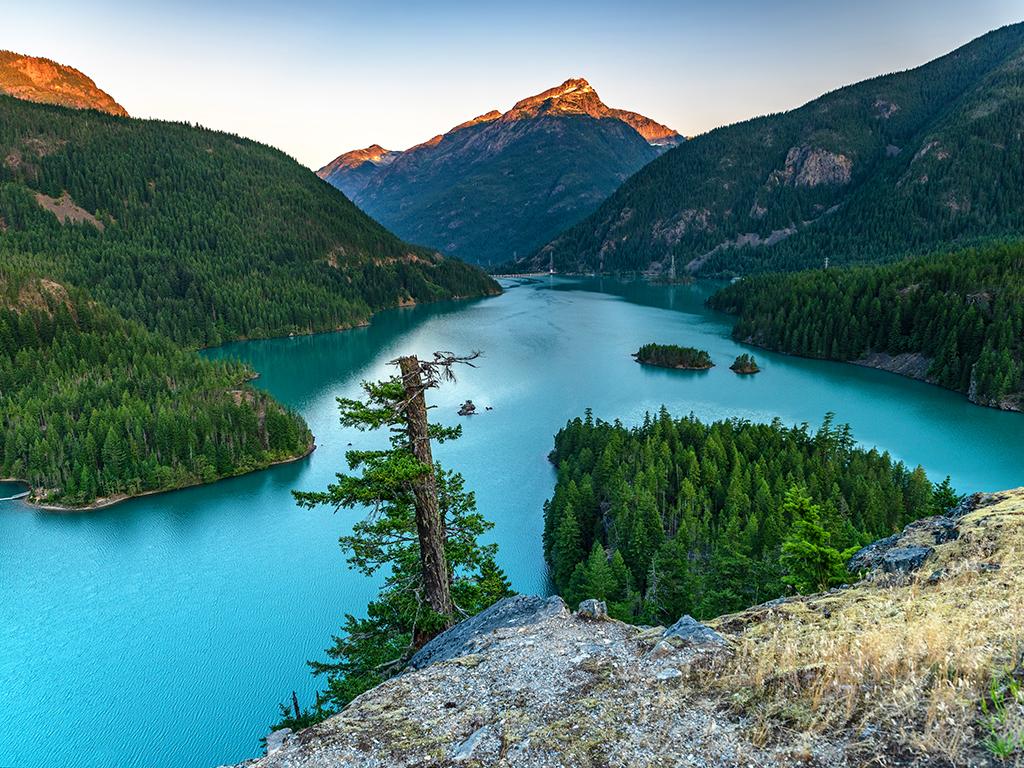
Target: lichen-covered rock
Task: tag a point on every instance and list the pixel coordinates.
(689, 631)
(906, 551)
(595, 610)
(474, 633)
(905, 559)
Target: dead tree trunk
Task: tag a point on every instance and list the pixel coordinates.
(429, 522)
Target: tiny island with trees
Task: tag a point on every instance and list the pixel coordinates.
(745, 364)
(673, 356)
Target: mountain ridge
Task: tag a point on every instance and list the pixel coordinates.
(889, 166)
(42, 80)
(503, 182)
(169, 237)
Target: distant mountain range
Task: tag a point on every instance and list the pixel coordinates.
(902, 163)
(502, 184)
(47, 82)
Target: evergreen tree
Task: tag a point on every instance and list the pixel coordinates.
(811, 564)
(693, 517)
(391, 483)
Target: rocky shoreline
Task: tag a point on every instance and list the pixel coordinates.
(911, 365)
(677, 367)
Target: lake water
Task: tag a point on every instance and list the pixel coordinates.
(163, 632)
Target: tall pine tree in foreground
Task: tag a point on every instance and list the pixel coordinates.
(422, 527)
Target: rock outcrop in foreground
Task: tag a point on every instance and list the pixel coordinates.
(890, 671)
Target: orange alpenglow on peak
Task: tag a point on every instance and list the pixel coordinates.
(487, 117)
(503, 184)
(44, 81)
(577, 96)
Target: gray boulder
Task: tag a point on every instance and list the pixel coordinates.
(907, 550)
(691, 632)
(278, 739)
(870, 557)
(905, 559)
(469, 635)
(596, 610)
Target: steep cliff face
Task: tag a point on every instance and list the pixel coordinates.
(891, 671)
(47, 82)
(500, 185)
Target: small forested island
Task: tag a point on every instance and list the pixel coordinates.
(673, 356)
(745, 364)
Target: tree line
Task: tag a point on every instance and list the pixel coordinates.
(962, 311)
(94, 405)
(207, 237)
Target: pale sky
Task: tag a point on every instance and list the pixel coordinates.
(319, 78)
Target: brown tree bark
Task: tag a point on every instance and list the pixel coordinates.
(429, 522)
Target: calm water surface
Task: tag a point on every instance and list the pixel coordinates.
(162, 632)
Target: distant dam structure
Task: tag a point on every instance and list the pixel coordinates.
(524, 274)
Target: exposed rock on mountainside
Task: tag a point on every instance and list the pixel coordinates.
(913, 365)
(500, 185)
(358, 167)
(898, 164)
(36, 79)
(890, 671)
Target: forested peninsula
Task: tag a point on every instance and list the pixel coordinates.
(677, 516)
(127, 244)
(954, 319)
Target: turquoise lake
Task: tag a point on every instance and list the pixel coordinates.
(162, 633)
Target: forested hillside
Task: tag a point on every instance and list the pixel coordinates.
(201, 235)
(97, 406)
(956, 320)
(676, 516)
(124, 244)
(889, 166)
